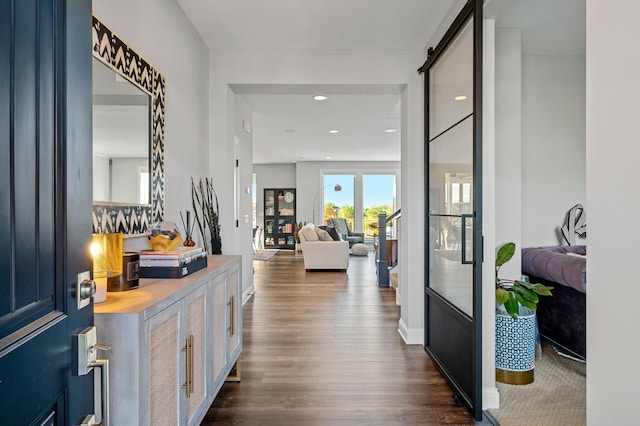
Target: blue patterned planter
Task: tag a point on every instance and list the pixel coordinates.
(515, 347)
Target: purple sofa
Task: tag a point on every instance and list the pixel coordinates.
(561, 317)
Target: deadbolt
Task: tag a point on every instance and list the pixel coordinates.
(87, 289)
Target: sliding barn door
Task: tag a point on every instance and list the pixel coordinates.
(454, 233)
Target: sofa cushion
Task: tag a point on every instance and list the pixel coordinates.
(309, 233)
(323, 235)
(332, 231)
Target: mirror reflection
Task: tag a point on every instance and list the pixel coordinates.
(121, 138)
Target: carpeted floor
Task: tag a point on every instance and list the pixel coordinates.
(557, 397)
(264, 254)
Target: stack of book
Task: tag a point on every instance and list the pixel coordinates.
(172, 264)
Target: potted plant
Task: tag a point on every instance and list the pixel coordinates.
(516, 330)
(296, 230)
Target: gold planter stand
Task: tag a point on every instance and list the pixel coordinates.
(514, 377)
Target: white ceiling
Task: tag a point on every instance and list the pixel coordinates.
(361, 113)
(316, 24)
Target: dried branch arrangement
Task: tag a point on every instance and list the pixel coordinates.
(205, 206)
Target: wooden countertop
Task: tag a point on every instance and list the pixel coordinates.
(155, 294)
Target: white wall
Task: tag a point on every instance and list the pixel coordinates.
(490, 397)
(161, 33)
(553, 144)
(508, 149)
(243, 152)
(613, 102)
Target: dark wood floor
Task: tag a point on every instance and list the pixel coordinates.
(322, 348)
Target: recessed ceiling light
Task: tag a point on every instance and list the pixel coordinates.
(391, 130)
(460, 98)
(320, 98)
(328, 158)
(334, 131)
(290, 130)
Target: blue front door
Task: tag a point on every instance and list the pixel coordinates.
(45, 208)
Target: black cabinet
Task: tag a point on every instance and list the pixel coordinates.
(279, 218)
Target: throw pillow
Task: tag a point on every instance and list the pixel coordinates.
(332, 231)
(323, 235)
(308, 233)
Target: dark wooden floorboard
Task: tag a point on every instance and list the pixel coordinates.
(322, 348)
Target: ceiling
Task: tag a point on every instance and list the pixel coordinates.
(289, 126)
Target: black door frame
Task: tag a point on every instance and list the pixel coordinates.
(472, 399)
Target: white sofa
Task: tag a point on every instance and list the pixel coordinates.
(322, 254)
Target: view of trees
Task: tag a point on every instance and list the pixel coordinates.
(370, 220)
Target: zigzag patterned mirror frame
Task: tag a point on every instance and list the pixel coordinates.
(115, 53)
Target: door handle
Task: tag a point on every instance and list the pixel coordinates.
(87, 354)
(103, 365)
(463, 236)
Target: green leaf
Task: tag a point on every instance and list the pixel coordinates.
(526, 293)
(525, 302)
(502, 296)
(526, 284)
(512, 306)
(542, 290)
(505, 253)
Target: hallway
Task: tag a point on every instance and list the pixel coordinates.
(322, 348)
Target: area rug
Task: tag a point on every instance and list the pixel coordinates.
(556, 397)
(264, 254)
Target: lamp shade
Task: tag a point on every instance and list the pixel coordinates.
(107, 262)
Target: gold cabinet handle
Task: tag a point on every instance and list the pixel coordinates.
(188, 348)
(232, 323)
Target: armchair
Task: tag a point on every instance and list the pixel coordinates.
(343, 229)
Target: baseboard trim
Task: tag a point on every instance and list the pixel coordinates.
(490, 398)
(248, 294)
(411, 336)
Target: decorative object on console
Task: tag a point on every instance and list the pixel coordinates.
(106, 250)
(575, 224)
(116, 54)
(515, 323)
(176, 263)
(188, 230)
(164, 236)
(205, 206)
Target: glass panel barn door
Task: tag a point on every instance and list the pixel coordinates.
(453, 236)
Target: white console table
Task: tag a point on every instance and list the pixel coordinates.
(173, 343)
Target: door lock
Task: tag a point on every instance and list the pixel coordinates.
(85, 289)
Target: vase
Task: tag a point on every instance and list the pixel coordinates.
(515, 346)
(298, 248)
(216, 247)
